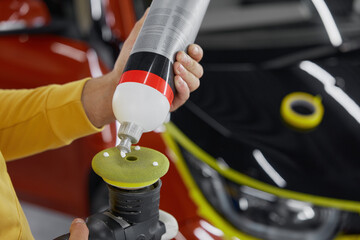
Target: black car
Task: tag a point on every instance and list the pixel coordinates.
(272, 136)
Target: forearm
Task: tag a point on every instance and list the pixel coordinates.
(40, 119)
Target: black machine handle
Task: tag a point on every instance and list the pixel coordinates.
(133, 214)
(107, 226)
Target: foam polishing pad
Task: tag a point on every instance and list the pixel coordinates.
(139, 168)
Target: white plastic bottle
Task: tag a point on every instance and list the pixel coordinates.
(146, 89)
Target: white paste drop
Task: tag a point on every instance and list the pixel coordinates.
(155, 164)
(106, 154)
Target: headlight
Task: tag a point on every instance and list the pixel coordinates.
(261, 214)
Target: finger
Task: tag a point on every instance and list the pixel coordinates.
(183, 93)
(190, 79)
(195, 52)
(190, 64)
(78, 230)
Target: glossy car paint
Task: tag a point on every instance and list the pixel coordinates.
(120, 17)
(24, 13)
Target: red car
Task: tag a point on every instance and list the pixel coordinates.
(219, 185)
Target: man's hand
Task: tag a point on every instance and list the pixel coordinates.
(79, 230)
(98, 92)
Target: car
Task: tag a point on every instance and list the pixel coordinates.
(270, 138)
(266, 148)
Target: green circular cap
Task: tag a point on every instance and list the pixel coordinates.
(139, 168)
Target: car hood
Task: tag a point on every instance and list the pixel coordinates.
(235, 114)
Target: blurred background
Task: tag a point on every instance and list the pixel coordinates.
(267, 148)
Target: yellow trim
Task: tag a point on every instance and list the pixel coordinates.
(205, 210)
(243, 179)
(129, 185)
(300, 121)
(348, 237)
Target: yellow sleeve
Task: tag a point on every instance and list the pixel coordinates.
(13, 223)
(44, 118)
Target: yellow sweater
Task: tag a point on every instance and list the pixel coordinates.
(32, 121)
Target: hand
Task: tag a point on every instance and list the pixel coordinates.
(187, 69)
(98, 92)
(79, 230)
(188, 72)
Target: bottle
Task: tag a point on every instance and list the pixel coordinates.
(146, 89)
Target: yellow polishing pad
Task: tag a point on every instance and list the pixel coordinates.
(139, 168)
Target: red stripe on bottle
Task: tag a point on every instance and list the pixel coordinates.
(149, 79)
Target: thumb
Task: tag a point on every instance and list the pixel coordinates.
(78, 230)
(128, 45)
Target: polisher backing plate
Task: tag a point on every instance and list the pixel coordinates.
(139, 168)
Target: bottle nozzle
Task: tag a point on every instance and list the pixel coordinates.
(124, 145)
(129, 133)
